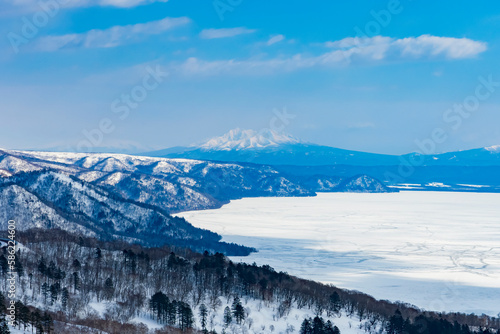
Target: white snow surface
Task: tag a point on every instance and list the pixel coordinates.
(494, 148)
(436, 250)
(260, 316)
(238, 139)
(473, 185)
(437, 185)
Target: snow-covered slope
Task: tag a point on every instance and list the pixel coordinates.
(361, 183)
(494, 148)
(358, 183)
(172, 184)
(45, 199)
(25, 207)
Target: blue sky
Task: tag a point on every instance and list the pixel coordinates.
(376, 76)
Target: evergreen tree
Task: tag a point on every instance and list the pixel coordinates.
(172, 260)
(42, 266)
(19, 268)
(203, 317)
(238, 311)
(4, 328)
(64, 298)
(36, 321)
(228, 318)
(76, 264)
(98, 257)
(45, 292)
(396, 323)
(98, 254)
(306, 327)
(335, 303)
(59, 274)
(3, 308)
(109, 288)
(76, 281)
(23, 314)
(51, 270)
(47, 323)
(130, 260)
(54, 292)
(186, 318)
(160, 306)
(318, 325)
(328, 327)
(171, 313)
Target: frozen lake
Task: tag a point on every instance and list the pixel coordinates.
(437, 250)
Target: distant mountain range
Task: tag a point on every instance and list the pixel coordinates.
(272, 148)
(475, 170)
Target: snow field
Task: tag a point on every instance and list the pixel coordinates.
(436, 250)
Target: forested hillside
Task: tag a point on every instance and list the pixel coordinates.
(73, 284)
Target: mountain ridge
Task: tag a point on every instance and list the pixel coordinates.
(277, 148)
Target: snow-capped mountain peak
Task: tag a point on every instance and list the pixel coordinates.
(238, 139)
(493, 149)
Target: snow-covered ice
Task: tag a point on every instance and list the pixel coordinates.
(437, 250)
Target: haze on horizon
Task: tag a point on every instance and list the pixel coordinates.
(371, 76)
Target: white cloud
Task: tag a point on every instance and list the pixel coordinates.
(32, 5)
(453, 48)
(374, 48)
(379, 47)
(125, 3)
(344, 52)
(110, 37)
(275, 39)
(249, 67)
(225, 32)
